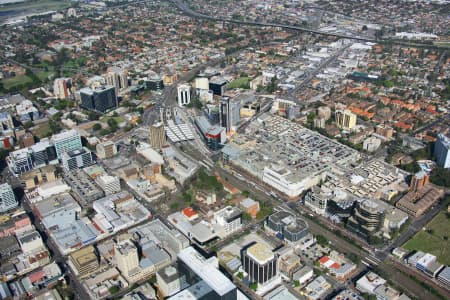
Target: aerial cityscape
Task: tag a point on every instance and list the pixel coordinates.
(225, 149)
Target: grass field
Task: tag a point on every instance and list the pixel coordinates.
(16, 80)
(12, 82)
(118, 119)
(432, 240)
(241, 82)
(39, 5)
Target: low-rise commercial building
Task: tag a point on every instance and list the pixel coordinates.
(83, 187)
(289, 227)
(250, 206)
(11, 225)
(118, 211)
(416, 203)
(106, 150)
(285, 155)
(317, 289)
(84, 261)
(229, 219)
(109, 184)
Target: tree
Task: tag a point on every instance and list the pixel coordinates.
(272, 87)
(321, 240)
(375, 240)
(97, 126)
(246, 216)
(54, 126)
(114, 289)
(174, 205)
(104, 132)
(310, 118)
(3, 154)
(364, 28)
(112, 123)
(440, 176)
(93, 116)
(205, 181)
(412, 167)
(28, 124)
(90, 212)
(152, 279)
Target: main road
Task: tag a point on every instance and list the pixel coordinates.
(387, 267)
(188, 11)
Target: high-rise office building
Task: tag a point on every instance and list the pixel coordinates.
(100, 99)
(77, 159)
(418, 181)
(367, 218)
(118, 78)
(157, 135)
(215, 136)
(42, 153)
(62, 88)
(72, 12)
(106, 150)
(202, 83)
(442, 151)
(345, 119)
(66, 141)
(154, 83)
(170, 281)
(7, 198)
(324, 112)
(6, 122)
(223, 112)
(259, 262)
(20, 161)
(109, 184)
(184, 94)
(229, 113)
(127, 257)
(217, 85)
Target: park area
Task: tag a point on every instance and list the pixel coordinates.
(21, 81)
(240, 83)
(434, 238)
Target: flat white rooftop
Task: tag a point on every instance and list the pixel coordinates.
(206, 271)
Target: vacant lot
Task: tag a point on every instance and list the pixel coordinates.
(434, 239)
(42, 130)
